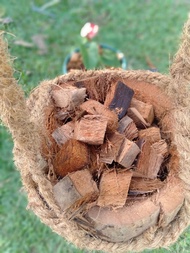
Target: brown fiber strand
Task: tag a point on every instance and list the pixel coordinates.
(25, 124)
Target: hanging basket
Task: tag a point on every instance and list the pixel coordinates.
(152, 221)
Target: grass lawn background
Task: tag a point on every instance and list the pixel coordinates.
(139, 28)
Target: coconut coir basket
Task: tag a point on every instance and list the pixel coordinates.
(160, 218)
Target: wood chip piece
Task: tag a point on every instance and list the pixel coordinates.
(146, 110)
(96, 108)
(75, 189)
(111, 147)
(151, 134)
(144, 185)
(64, 133)
(128, 128)
(119, 98)
(137, 117)
(73, 156)
(68, 97)
(91, 129)
(127, 154)
(151, 158)
(114, 188)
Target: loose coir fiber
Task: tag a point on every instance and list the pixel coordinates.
(33, 146)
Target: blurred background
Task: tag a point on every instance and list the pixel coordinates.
(40, 35)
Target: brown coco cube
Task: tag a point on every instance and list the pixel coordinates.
(91, 129)
(73, 155)
(146, 110)
(127, 154)
(96, 108)
(151, 134)
(138, 119)
(114, 188)
(68, 97)
(128, 128)
(111, 147)
(151, 158)
(119, 98)
(141, 185)
(64, 133)
(74, 188)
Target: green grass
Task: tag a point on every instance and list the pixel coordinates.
(138, 28)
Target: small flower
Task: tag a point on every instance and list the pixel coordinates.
(89, 30)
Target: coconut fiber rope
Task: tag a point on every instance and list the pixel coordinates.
(25, 119)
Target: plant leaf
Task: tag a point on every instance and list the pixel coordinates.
(90, 55)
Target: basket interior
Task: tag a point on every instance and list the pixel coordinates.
(140, 212)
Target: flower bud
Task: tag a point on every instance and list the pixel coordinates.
(89, 30)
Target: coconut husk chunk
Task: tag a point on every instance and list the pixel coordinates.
(75, 189)
(62, 134)
(91, 129)
(94, 86)
(145, 109)
(118, 98)
(124, 223)
(73, 155)
(127, 154)
(68, 97)
(114, 188)
(151, 158)
(111, 147)
(140, 122)
(170, 198)
(151, 134)
(128, 128)
(96, 108)
(144, 185)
